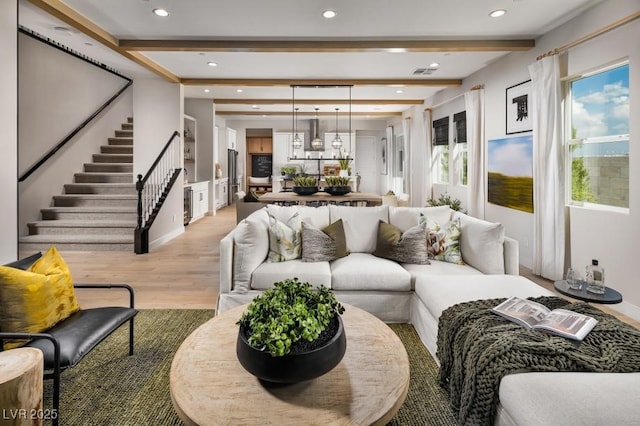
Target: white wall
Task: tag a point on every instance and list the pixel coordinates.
(57, 92)
(158, 110)
(9, 130)
(610, 237)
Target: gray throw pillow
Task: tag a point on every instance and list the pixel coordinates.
(407, 247)
(323, 245)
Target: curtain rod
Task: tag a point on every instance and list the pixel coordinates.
(476, 87)
(592, 35)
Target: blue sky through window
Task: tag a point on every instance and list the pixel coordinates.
(601, 104)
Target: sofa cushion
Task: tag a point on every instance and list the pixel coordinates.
(34, 300)
(284, 239)
(360, 225)
(438, 292)
(438, 268)
(617, 403)
(251, 247)
(315, 273)
(409, 246)
(364, 271)
(316, 216)
(406, 217)
(323, 245)
(482, 244)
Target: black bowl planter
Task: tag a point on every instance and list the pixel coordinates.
(337, 190)
(297, 366)
(305, 190)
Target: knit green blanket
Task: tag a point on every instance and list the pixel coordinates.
(477, 348)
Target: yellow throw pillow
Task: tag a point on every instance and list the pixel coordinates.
(34, 300)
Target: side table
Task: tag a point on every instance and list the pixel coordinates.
(609, 297)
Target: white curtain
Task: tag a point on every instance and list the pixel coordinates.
(476, 148)
(548, 169)
(406, 175)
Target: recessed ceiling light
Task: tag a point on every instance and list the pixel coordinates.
(212, 64)
(239, 90)
(161, 12)
(206, 90)
(497, 13)
(399, 91)
(397, 50)
(254, 106)
(434, 65)
(329, 14)
(63, 30)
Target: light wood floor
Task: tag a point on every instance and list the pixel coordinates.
(182, 273)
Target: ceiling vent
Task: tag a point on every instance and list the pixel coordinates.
(424, 71)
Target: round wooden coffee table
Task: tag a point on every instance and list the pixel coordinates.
(209, 386)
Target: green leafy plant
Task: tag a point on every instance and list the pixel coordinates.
(337, 180)
(288, 170)
(305, 181)
(446, 200)
(289, 312)
(303, 169)
(344, 160)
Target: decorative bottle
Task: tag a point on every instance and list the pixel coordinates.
(595, 278)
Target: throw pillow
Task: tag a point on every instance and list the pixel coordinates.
(443, 242)
(284, 238)
(407, 247)
(34, 300)
(320, 245)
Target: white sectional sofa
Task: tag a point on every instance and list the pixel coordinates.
(419, 294)
(381, 286)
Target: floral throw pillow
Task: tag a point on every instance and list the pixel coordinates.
(443, 242)
(284, 239)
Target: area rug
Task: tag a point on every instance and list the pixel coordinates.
(111, 388)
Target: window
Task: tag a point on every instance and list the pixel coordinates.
(598, 142)
(460, 150)
(440, 154)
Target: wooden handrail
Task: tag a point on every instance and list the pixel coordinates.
(74, 132)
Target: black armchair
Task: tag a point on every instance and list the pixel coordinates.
(65, 344)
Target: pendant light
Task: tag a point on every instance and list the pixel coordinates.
(317, 143)
(297, 142)
(337, 142)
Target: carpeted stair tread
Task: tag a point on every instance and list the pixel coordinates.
(99, 188)
(78, 238)
(103, 177)
(122, 141)
(84, 223)
(92, 209)
(113, 158)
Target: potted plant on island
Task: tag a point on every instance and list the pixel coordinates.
(291, 333)
(337, 185)
(288, 171)
(345, 168)
(305, 185)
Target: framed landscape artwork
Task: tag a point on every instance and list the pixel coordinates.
(510, 172)
(518, 102)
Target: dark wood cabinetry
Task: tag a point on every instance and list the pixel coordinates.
(259, 160)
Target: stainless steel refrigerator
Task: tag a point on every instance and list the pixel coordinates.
(232, 174)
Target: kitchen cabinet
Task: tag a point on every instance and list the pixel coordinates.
(199, 199)
(221, 188)
(259, 145)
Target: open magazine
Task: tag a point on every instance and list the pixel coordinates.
(533, 315)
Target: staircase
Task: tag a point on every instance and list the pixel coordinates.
(96, 212)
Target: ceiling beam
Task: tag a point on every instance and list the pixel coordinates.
(310, 113)
(327, 46)
(318, 101)
(320, 82)
(63, 12)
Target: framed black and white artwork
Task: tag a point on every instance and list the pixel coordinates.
(384, 153)
(518, 105)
